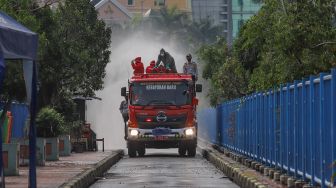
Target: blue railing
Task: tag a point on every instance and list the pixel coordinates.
(291, 128)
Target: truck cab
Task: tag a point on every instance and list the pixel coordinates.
(162, 113)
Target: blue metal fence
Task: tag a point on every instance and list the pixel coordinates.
(292, 128)
(20, 113)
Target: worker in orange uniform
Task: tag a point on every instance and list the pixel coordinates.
(151, 66)
(138, 66)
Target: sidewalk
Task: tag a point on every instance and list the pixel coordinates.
(56, 173)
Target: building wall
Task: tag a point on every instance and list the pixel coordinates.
(217, 11)
(142, 6)
(230, 14)
(112, 14)
(242, 10)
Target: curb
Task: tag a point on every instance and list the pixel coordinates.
(87, 177)
(232, 170)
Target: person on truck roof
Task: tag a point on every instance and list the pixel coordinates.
(190, 67)
(167, 60)
(151, 66)
(138, 66)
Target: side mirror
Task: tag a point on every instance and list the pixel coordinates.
(198, 87)
(123, 91)
(195, 101)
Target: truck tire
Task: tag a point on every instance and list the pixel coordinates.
(141, 150)
(131, 150)
(192, 151)
(182, 150)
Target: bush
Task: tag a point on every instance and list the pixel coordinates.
(50, 123)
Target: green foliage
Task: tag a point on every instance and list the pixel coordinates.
(228, 77)
(284, 41)
(72, 56)
(214, 56)
(77, 54)
(14, 86)
(50, 123)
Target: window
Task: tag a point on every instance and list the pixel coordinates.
(159, 3)
(130, 2)
(225, 25)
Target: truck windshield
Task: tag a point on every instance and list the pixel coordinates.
(160, 93)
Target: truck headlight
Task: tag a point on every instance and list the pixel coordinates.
(189, 132)
(134, 132)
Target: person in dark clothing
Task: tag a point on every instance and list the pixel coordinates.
(167, 60)
(124, 112)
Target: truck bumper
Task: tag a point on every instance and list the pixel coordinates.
(172, 140)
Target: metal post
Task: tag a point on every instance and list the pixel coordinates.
(281, 152)
(32, 132)
(311, 128)
(333, 121)
(296, 124)
(304, 131)
(322, 131)
(275, 118)
(219, 124)
(287, 126)
(103, 145)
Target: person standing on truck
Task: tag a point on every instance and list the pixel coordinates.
(124, 112)
(190, 67)
(138, 66)
(151, 66)
(167, 60)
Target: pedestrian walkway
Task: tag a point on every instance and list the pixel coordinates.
(56, 173)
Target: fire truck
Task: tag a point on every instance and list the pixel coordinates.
(162, 113)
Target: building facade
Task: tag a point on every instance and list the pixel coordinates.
(123, 11)
(230, 14)
(140, 7)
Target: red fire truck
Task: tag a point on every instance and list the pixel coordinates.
(162, 113)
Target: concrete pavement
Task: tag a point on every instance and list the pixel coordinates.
(164, 168)
(57, 173)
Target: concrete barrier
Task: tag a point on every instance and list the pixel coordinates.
(235, 174)
(24, 151)
(86, 178)
(10, 154)
(64, 146)
(52, 153)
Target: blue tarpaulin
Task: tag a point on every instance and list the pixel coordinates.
(20, 114)
(18, 42)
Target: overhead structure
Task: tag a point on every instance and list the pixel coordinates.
(18, 42)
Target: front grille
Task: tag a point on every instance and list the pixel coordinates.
(173, 122)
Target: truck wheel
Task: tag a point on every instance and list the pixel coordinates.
(131, 150)
(191, 151)
(182, 151)
(141, 150)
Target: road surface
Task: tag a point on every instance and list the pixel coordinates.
(163, 168)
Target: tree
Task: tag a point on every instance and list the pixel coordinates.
(77, 53)
(227, 75)
(284, 41)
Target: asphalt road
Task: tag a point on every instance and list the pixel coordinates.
(163, 168)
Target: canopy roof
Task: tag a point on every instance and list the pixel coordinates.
(16, 41)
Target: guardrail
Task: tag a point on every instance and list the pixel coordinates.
(291, 128)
